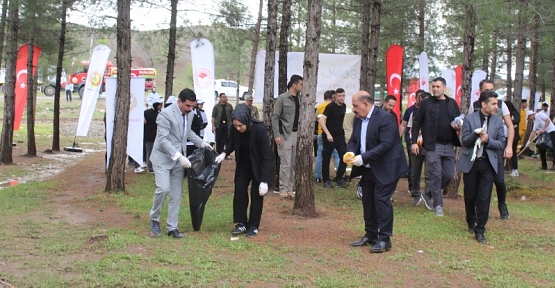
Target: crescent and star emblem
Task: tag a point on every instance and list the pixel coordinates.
(393, 76)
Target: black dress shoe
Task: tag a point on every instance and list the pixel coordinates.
(503, 211)
(481, 238)
(471, 228)
(363, 241)
(175, 234)
(381, 247)
(155, 227)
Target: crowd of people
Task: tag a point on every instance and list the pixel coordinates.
(367, 137)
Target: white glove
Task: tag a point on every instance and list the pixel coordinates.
(184, 161)
(358, 161)
(206, 145)
(263, 188)
(527, 144)
(220, 158)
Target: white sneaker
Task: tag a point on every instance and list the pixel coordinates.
(139, 170)
(514, 173)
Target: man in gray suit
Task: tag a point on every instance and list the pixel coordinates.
(483, 140)
(168, 159)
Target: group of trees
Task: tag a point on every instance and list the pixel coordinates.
(499, 36)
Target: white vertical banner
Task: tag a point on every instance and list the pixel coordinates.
(202, 58)
(334, 71)
(477, 76)
(424, 73)
(95, 74)
(451, 82)
(136, 117)
(526, 95)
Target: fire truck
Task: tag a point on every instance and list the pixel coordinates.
(78, 79)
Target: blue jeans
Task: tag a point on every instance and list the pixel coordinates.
(318, 169)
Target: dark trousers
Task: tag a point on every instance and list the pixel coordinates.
(499, 180)
(339, 144)
(417, 162)
(543, 152)
(440, 170)
(68, 95)
(377, 207)
(244, 176)
(222, 133)
(409, 171)
(148, 146)
(514, 159)
(478, 184)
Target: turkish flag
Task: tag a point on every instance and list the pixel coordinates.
(458, 84)
(394, 73)
(21, 80)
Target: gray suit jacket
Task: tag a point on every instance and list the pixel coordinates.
(170, 137)
(494, 147)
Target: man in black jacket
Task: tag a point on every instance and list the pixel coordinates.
(434, 118)
(150, 128)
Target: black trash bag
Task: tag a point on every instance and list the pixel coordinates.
(201, 178)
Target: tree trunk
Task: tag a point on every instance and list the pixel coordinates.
(520, 54)
(31, 96)
(452, 189)
(552, 104)
(116, 169)
(284, 45)
(269, 71)
(333, 20)
(374, 44)
(304, 199)
(171, 50)
(509, 50)
(3, 28)
(6, 150)
(59, 68)
(421, 24)
(255, 46)
(493, 68)
(365, 46)
(486, 50)
(532, 72)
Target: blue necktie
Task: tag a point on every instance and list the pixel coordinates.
(363, 129)
(184, 124)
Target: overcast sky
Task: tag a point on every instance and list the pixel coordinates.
(196, 11)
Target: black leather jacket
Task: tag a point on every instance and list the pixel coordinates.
(426, 120)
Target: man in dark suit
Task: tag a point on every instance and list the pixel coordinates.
(380, 160)
(480, 163)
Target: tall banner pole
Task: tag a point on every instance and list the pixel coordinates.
(424, 73)
(95, 74)
(394, 74)
(450, 79)
(413, 87)
(21, 81)
(202, 58)
(136, 117)
(477, 76)
(458, 84)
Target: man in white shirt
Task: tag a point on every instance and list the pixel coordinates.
(542, 124)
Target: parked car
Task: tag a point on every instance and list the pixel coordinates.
(230, 89)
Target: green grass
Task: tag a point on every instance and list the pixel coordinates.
(520, 255)
(41, 250)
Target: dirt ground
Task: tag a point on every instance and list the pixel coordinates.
(81, 175)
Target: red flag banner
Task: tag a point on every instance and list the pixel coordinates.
(414, 85)
(21, 80)
(394, 74)
(458, 84)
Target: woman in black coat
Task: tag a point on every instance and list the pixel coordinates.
(250, 141)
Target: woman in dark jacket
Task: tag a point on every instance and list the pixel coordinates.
(250, 141)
